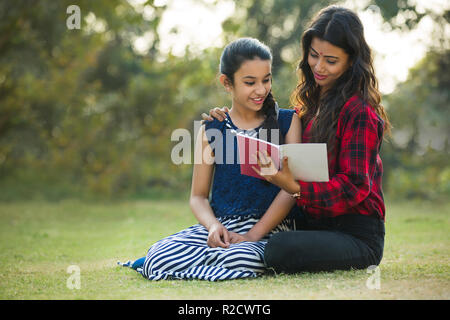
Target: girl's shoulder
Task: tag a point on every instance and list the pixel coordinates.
(216, 128)
(285, 119)
(285, 112)
(214, 124)
(285, 115)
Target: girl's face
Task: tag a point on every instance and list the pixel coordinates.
(327, 62)
(252, 84)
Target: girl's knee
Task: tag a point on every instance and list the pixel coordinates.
(156, 260)
(241, 257)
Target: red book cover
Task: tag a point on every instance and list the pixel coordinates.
(248, 148)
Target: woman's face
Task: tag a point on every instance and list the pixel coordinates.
(327, 62)
(252, 84)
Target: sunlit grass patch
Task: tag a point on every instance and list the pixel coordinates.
(40, 240)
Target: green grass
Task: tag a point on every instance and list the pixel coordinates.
(40, 240)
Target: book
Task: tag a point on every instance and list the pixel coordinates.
(307, 161)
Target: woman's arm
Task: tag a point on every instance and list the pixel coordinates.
(356, 163)
(201, 184)
(281, 205)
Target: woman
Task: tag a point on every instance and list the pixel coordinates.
(339, 104)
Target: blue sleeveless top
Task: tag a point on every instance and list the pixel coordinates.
(233, 193)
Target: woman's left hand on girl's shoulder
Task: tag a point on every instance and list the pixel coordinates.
(216, 113)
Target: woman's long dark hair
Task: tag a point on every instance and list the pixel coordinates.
(342, 28)
(236, 53)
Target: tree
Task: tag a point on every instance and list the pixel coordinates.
(85, 111)
(418, 151)
(279, 24)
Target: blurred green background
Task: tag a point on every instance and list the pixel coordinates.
(88, 113)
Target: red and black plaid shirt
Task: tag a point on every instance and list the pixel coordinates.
(355, 168)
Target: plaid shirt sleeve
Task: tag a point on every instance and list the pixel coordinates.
(358, 142)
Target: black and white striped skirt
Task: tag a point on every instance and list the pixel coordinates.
(185, 254)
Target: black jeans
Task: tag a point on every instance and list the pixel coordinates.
(348, 241)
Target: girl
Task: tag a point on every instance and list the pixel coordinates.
(339, 103)
(221, 247)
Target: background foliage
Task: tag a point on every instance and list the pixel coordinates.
(84, 114)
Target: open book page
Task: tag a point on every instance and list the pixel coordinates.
(307, 161)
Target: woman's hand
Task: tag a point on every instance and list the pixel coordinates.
(218, 113)
(218, 236)
(283, 179)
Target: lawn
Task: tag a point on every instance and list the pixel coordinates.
(40, 240)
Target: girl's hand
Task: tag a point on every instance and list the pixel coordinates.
(283, 179)
(236, 237)
(217, 113)
(218, 236)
